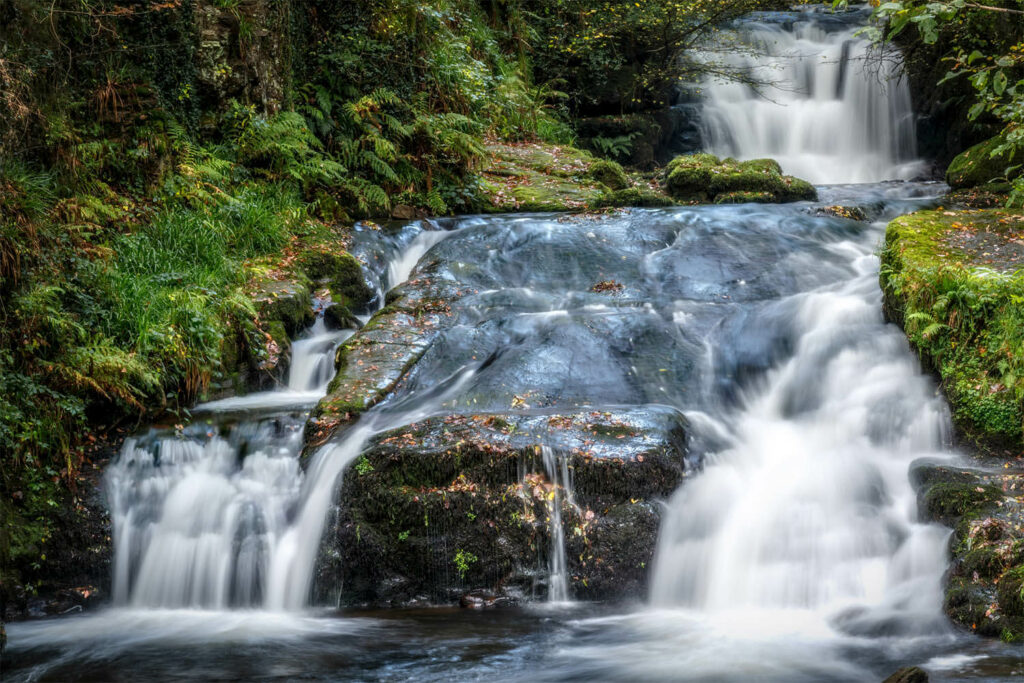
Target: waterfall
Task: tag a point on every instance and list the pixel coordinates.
(218, 513)
(557, 471)
(834, 109)
(808, 514)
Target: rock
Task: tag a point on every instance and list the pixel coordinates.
(908, 674)
(610, 174)
(404, 212)
(850, 213)
(634, 196)
(976, 166)
(341, 272)
(985, 507)
(706, 178)
(482, 600)
(459, 505)
(372, 361)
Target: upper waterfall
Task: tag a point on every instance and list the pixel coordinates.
(830, 107)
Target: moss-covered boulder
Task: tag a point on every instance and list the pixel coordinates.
(610, 174)
(976, 166)
(706, 178)
(341, 272)
(985, 508)
(371, 363)
(463, 504)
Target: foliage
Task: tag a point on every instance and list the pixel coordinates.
(463, 561)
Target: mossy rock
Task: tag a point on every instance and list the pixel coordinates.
(286, 301)
(422, 493)
(948, 501)
(706, 178)
(934, 258)
(610, 174)
(634, 196)
(976, 166)
(744, 198)
(342, 273)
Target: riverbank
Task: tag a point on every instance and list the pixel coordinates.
(952, 278)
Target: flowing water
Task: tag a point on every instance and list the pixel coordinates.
(823, 103)
(793, 552)
(558, 566)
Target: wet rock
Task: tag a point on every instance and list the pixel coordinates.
(851, 213)
(483, 600)
(371, 362)
(985, 507)
(908, 674)
(462, 503)
(705, 178)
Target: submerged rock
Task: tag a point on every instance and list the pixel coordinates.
(706, 178)
(461, 505)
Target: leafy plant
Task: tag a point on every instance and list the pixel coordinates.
(463, 561)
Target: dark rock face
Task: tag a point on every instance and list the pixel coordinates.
(76, 572)
(460, 505)
(908, 674)
(986, 510)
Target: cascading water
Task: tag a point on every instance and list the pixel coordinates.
(792, 552)
(829, 107)
(557, 471)
(206, 517)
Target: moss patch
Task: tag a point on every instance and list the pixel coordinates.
(543, 177)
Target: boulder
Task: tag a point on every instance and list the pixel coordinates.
(460, 505)
(985, 507)
(976, 166)
(703, 178)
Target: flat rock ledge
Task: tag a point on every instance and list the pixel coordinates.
(461, 505)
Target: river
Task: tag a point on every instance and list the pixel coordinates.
(793, 551)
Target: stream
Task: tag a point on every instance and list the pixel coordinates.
(792, 552)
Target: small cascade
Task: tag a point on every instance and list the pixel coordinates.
(557, 471)
(399, 269)
(219, 514)
(313, 358)
(198, 512)
(832, 109)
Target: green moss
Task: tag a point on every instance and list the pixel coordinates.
(705, 177)
(610, 174)
(963, 317)
(633, 196)
(744, 197)
(976, 166)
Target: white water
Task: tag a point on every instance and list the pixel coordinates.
(836, 112)
(801, 536)
(221, 515)
(198, 515)
(557, 471)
